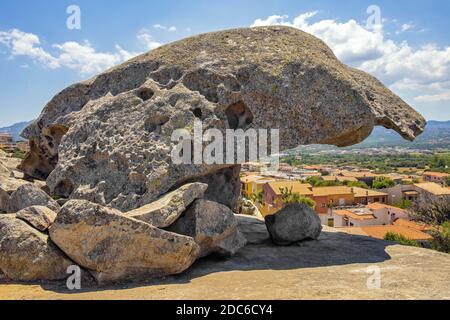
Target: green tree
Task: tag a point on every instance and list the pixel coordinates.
(401, 239)
(257, 198)
(382, 183)
(357, 184)
(447, 181)
(403, 204)
(441, 238)
(288, 198)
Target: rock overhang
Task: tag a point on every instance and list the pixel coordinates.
(116, 126)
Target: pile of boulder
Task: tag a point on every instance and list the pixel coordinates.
(42, 239)
(99, 187)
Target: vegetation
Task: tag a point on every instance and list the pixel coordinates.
(288, 198)
(380, 163)
(257, 197)
(437, 214)
(441, 238)
(382, 183)
(404, 204)
(18, 154)
(401, 239)
(320, 182)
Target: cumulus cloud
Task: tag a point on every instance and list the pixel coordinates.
(146, 38)
(72, 55)
(162, 27)
(445, 96)
(405, 27)
(397, 64)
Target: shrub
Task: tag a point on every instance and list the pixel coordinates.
(401, 239)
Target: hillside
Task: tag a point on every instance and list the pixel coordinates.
(15, 129)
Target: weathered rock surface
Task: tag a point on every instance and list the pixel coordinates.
(115, 247)
(31, 195)
(27, 254)
(293, 223)
(117, 126)
(165, 211)
(38, 216)
(213, 227)
(4, 201)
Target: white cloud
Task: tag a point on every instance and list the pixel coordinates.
(27, 44)
(161, 27)
(445, 96)
(397, 64)
(405, 27)
(146, 38)
(72, 55)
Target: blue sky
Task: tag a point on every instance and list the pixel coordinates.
(39, 56)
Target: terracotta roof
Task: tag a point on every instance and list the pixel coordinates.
(339, 178)
(377, 205)
(412, 224)
(380, 231)
(360, 192)
(248, 179)
(327, 191)
(353, 215)
(436, 174)
(433, 188)
(303, 189)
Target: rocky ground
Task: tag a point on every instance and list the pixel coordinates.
(334, 267)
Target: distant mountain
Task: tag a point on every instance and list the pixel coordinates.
(436, 135)
(15, 129)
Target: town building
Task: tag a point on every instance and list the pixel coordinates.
(437, 177)
(366, 196)
(424, 191)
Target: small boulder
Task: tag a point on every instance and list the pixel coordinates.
(213, 226)
(38, 216)
(165, 211)
(27, 254)
(4, 200)
(31, 195)
(293, 223)
(117, 248)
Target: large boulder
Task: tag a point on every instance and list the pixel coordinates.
(165, 211)
(27, 254)
(117, 248)
(31, 195)
(111, 135)
(213, 226)
(293, 223)
(38, 216)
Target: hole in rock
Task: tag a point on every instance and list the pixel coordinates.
(64, 188)
(239, 115)
(156, 122)
(197, 113)
(145, 94)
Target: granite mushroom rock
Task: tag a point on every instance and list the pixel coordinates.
(39, 217)
(116, 127)
(165, 211)
(293, 223)
(31, 195)
(27, 254)
(213, 226)
(117, 248)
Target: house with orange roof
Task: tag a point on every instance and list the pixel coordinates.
(272, 191)
(379, 232)
(437, 177)
(328, 197)
(370, 215)
(366, 196)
